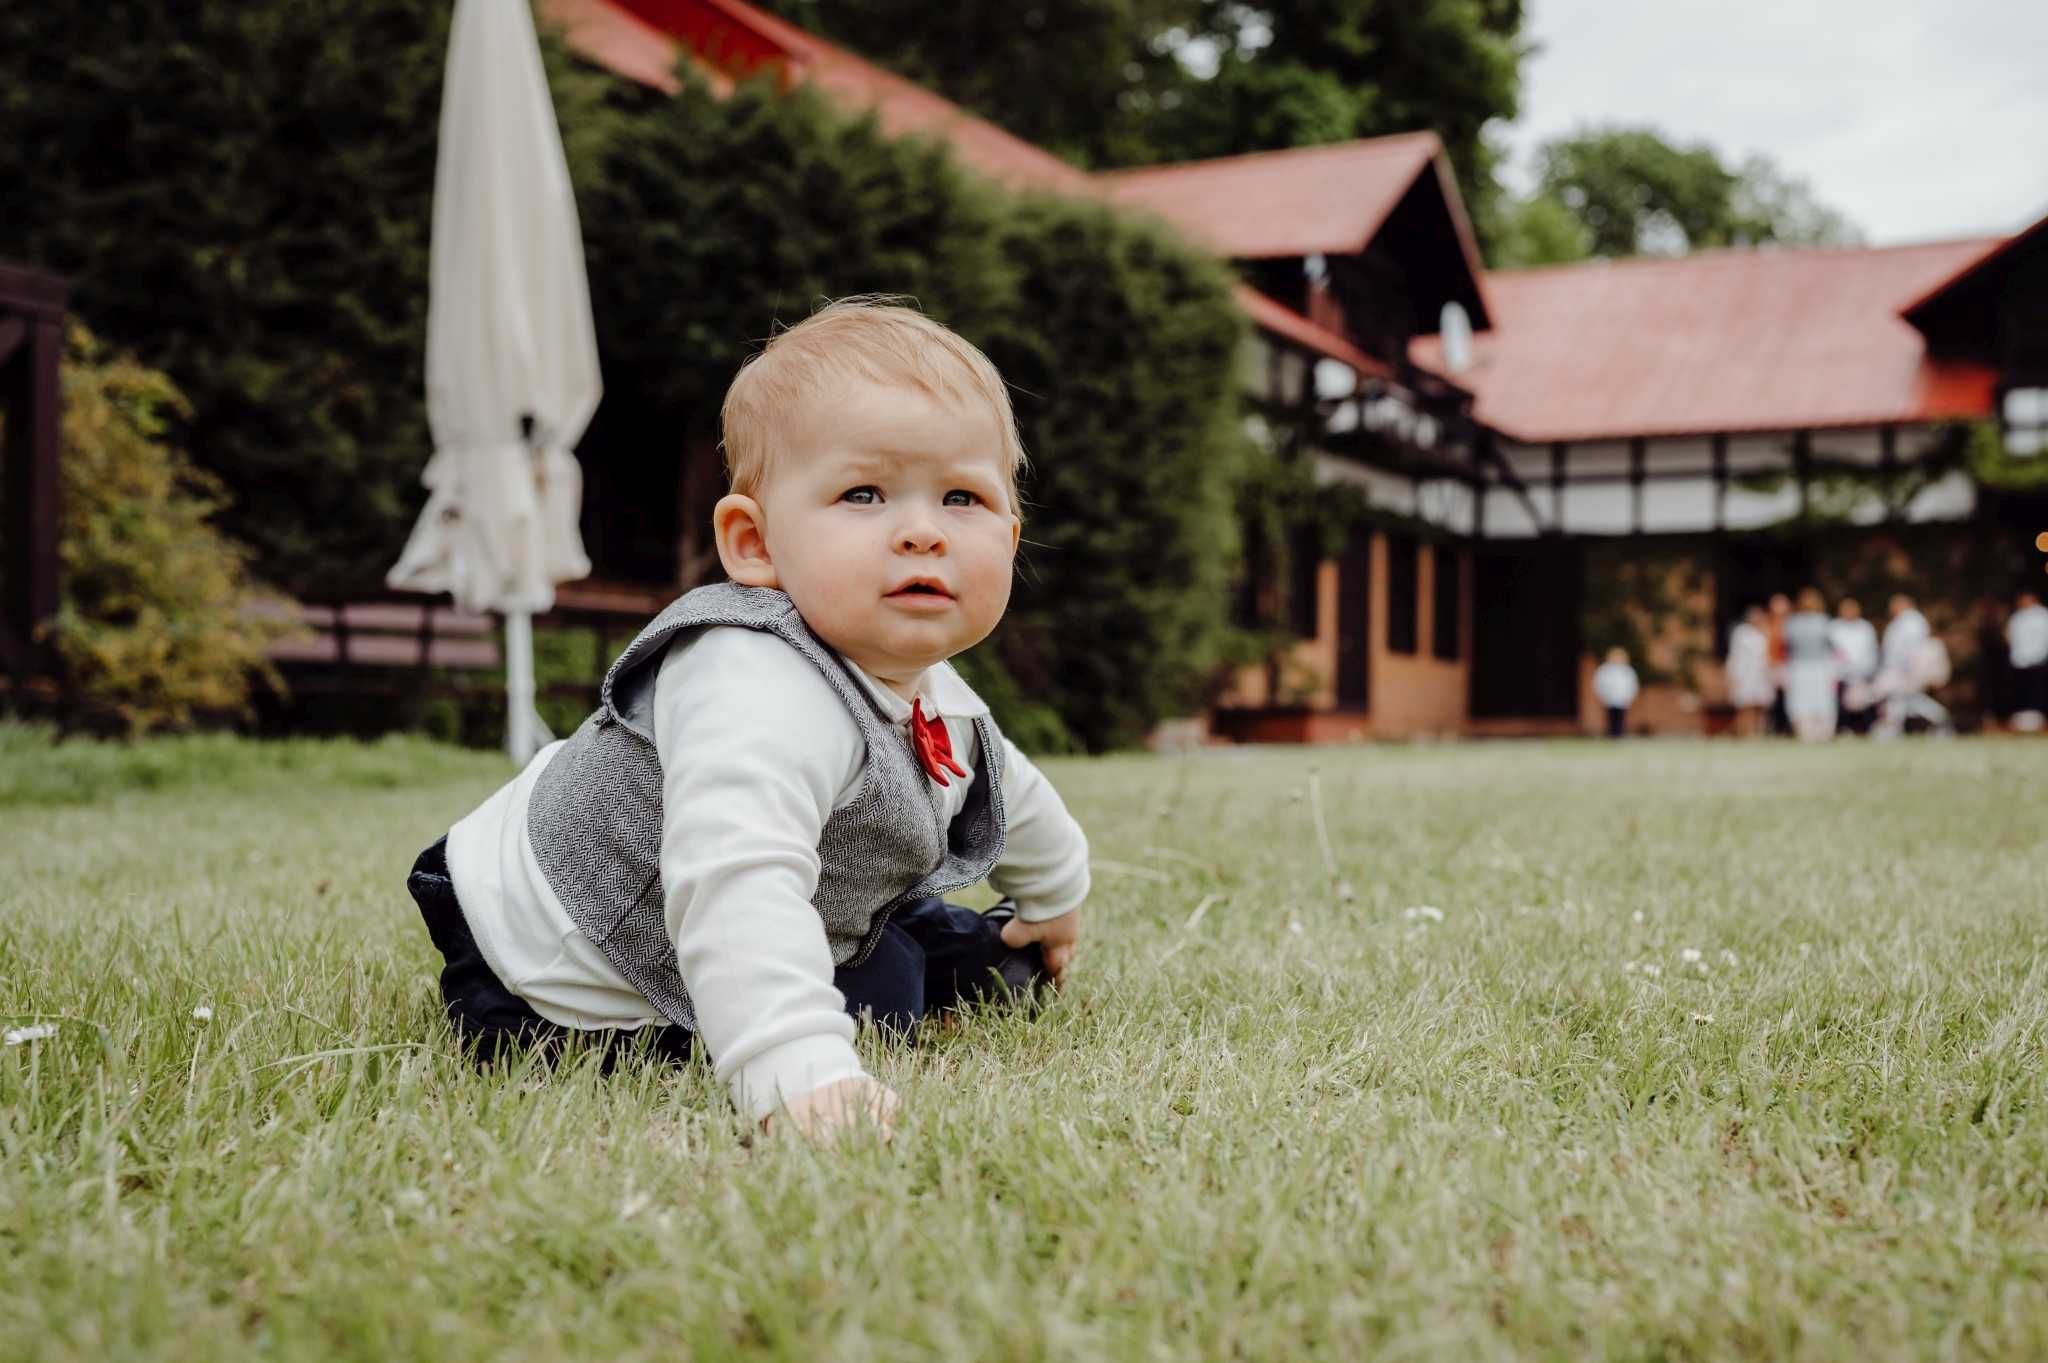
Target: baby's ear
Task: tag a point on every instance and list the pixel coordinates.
(742, 534)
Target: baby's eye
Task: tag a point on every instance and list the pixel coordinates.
(960, 496)
(865, 495)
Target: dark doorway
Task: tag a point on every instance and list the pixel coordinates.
(1354, 624)
(1525, 631)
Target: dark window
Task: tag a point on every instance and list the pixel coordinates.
(1448, 606)
(1305, 568)
(1254, 569)
(1403, 556)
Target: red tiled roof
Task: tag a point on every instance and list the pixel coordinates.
(1298, 202)
(1764, 340)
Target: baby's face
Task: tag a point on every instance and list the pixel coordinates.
(889, 524)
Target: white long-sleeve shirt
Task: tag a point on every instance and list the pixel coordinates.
(2026, 636)
(1855, 645)
(1902, 640)
(756, 751)
(1615, 685)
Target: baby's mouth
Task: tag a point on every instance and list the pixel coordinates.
(923, 588)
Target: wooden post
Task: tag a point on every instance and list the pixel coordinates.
(1559, 453)
(1638, 472)
(30, 394)
(1720, 483)
(1802, 466)
(1888, 468)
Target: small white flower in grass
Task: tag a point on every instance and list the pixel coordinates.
(1806, 948)
(41, 1031)
(1703, 1018)
(1702, 969)
(1651, 970)
(1691, 955)
(1727, 957)
(1294, 926)
(1636, 917)
(203, 1013)
(1629, 967)
(1423, 911)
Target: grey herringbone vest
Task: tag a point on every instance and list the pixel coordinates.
(594, 819)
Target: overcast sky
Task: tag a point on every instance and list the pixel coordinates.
(1919, 119)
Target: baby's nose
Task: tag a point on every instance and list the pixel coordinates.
(921, 536)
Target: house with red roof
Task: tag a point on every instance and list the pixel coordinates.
(1505, 421)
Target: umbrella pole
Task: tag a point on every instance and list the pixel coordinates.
(522, 721)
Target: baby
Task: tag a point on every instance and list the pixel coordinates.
(743, 848)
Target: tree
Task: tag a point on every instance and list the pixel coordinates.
(1067, 75)
(159, 618)
(1135, 82)
(1635, 193)
(1538, 230)
(239, 193)
(1450, 66)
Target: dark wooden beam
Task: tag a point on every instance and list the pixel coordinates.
(1888, 465)
(1720, 475)
(1560, 454)
(1514, 483)
(13, 331)
(1638, 469)
(1802, 468)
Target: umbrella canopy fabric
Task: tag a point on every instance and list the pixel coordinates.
(512, 376)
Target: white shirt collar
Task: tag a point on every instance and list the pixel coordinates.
(944, 691)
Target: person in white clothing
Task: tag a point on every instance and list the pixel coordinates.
(1810, 669)
(1750, 688)
(1900, 675)
(743, 849)
(2026, 640)
(1854, 640)
(1903, 635)
(1614, 683)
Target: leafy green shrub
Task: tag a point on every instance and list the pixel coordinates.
(155, 622)
(1117, 340)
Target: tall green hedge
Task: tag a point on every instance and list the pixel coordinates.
(1117, 340)
(240, 194)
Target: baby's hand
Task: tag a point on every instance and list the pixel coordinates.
(826, 1111)
(1055, 937)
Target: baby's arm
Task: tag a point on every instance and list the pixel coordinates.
(755, 750)
(1044, 866)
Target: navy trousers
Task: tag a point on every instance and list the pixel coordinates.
(931, 956)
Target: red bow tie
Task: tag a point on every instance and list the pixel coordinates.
(934, 746)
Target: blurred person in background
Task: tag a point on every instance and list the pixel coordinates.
(1903, 636)
(1810, 670)
(1914, 663)
(1774, 635)
(2026, 639)
(1749, 673)
(1855, 643)
(1614, 682)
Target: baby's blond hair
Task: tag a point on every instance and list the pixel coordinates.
(873, 337)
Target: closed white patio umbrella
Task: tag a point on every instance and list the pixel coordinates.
(512, 374)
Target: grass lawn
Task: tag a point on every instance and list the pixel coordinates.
(1273, 1118)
